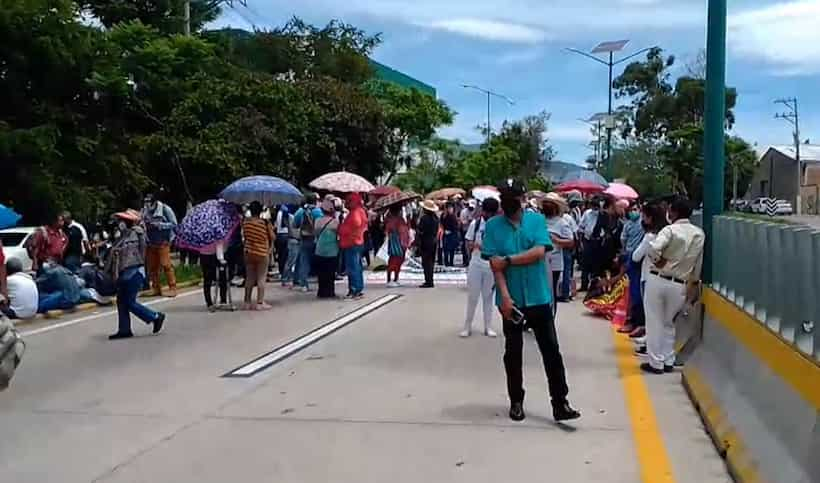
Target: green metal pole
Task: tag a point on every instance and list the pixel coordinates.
(714, 121)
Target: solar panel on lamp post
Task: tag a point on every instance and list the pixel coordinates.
(609, 47)
(489, 94)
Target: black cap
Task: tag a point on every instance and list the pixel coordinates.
(489, 205)
(512, 187)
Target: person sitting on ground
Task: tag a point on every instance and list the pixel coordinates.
(22, 292)
(58, 288)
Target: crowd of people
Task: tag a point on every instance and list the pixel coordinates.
(638, 263)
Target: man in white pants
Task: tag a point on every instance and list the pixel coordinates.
(677, 254)
(480, 278)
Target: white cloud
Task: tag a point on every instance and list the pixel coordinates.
(785, 35)
(576, 132)
(490, 30)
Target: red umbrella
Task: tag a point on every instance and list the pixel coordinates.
(384, 190)
(583, 186)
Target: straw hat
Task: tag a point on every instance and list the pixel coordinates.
(429, 205)
(555, 199)
(129, 214)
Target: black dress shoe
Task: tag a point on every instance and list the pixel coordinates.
(119, 335)
(159, 323)
(647, 367)
(668, 369)
(426, 285)
(517, 412)
(564, 412)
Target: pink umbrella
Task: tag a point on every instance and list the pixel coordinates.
(621, 191)
(342, 182)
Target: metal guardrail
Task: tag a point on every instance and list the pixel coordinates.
(772, 272)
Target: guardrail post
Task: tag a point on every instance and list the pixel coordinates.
(773, 313)
(807, 290)
(763, 294)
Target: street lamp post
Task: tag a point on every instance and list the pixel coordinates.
(609, 47)
(489, 94)
(793, 117)
(596, 121)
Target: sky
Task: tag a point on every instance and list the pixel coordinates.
(517, 48)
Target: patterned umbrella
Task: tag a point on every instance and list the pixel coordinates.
(445, 194)
(8, 217)
(384, 191)
(342, 182)
(396, 199)
(207, 224)
(268, 190)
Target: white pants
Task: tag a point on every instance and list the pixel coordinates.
(662, 301)
(480, 282)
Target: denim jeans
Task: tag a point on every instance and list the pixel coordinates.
(53, 301)
(291, 263)
(306, 250)
(353, 263)
(566, 280)
(129, 285)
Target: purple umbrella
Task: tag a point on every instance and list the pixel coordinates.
(206, 225)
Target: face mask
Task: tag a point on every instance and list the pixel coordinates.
(633, 215)
(510, 205)
(122, 226)
(668, 218)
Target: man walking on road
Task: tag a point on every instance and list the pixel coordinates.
(160, 222)
(427, 239)
(677, 256)
(516, 244)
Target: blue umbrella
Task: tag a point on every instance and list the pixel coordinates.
(8, 217)
(268, 190)
(582, 175)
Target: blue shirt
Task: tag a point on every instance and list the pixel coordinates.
(631, 235)
(528, 284)
(300, 213)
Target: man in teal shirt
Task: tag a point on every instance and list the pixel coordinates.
(516, 245)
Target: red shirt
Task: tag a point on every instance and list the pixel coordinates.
(352, 229)
(49, 244)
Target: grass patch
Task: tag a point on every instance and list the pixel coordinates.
(184, 273)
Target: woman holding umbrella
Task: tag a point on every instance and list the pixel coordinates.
(351, 241)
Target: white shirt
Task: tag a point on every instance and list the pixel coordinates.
(23, 295)
(82, 230)
(282, 228)
(681, 246)
(588, 222)
(559, 227)
(475, 234)
(640, 254)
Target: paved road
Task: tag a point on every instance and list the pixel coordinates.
(393, 396)
(811, 220)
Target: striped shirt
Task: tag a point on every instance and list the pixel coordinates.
(258, 235)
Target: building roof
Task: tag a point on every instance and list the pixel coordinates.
(808, 152)
(392, 75)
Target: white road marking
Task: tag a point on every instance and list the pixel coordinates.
(69, 323)
(263, 362)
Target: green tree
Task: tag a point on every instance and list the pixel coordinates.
(165, 15)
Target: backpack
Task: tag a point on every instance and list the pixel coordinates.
(307, 229)
(11, 351)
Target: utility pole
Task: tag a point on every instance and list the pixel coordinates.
(609, 47)
(489, 94)
(186, 14)
(793, 117)
(714, 126)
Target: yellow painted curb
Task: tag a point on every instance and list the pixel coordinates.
(798, 370)
(653, 459)
(726, 439)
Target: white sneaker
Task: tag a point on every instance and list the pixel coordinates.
(490, 333)
(392, 285)
(305, 289)
(464, 334)
(639, 341)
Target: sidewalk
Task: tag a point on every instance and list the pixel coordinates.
(394, 396)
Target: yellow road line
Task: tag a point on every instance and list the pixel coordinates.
(653, 459)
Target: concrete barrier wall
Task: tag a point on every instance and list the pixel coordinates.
(758, 396)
